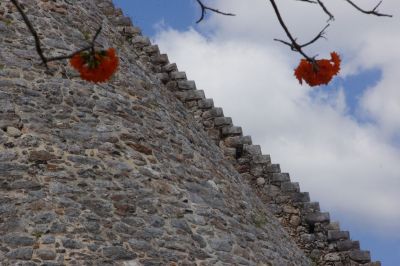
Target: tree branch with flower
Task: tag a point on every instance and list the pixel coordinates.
(313, 71)
(99, 65)
(93, 65)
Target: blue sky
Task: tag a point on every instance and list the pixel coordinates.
(345, 129)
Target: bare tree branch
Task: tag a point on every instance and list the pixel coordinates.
(204, 9)
(38, 45)
(374, 11)
(308, 1)
(89, 47)
(321, 4)
(33, 31)
(293, 43)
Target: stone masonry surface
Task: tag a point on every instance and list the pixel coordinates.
(143, 170)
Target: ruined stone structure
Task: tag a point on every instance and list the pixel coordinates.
(143, 170)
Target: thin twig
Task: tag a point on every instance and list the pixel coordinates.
(89, 47)
(374, 11)
(293, 44)
(308, 1)
(33, 31)
(204, 9)
(39, 49)
(321, 4)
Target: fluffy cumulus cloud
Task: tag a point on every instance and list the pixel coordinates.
(352, 168)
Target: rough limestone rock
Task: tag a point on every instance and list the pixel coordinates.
(143, 170)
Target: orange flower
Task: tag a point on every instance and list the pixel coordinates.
(96, 68)
(322, 74)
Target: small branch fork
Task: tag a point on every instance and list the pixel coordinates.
(204, 9)
(299, 48)
(373, 11)
(38, 45)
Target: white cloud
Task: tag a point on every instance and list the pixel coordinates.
(350, 168)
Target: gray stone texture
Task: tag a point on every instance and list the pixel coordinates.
(141, 170)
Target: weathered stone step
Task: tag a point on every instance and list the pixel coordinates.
(160, 59)
(186, 85)
(151, 50)
(237, 141)
(170, 67)
(300, 196)
(253, 150)
(231, 131)
(310, 207)
(262, 159)
(360, 256)
(278, 178)
(347, 245)
(163, 77)
(336, 235)
(192, 95)
(273, 168)
(213, 113)
(222, 121)
(178, 75)
(290, 187)
(206, 104)
(128, 31)
(141, 41)
(317, 217)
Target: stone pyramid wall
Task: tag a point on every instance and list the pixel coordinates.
(143, 170)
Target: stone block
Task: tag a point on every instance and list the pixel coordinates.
(129, 30)
(163, 77)
(331, 257)
(170, 67)
(347, 245)
(253, 150)
(318, 217)
(46, 254)
(122, 21)
(335, 235)
(6, 106)
(262, 159)
(260, 181)
(152, 49)
(300, 196)
(333, 226)
(222, 121)
(186, 85)
(256, 170)
(212, 113)
(118, 253)
(20, 253)
(172, 85)
(9, 120)
(206, 104)
(311, 207)
(178, 75)
(237, 141)
(360, 256)
(141, 41)
(273, 168)
(231, 131)
(280, 177)
(16, 240)
(161, 59)
(290, 187)
(190, 95)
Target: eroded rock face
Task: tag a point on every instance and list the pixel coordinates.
(118, 173)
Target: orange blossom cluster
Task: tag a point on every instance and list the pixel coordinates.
(320, 73)
(97, 66)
